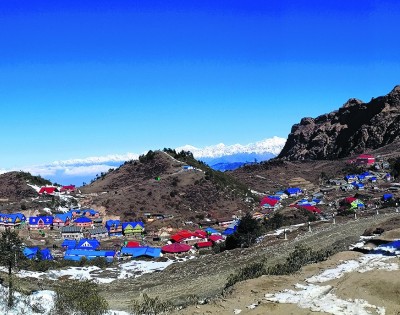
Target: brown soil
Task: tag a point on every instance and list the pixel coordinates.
(376, 287)
(206, 276)
(189, 195)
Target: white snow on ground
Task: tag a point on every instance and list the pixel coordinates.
(288, 229)
(130, 269)
(320, 299)
(36, 188)
(39, 302)
(276, 233)
(363, 264)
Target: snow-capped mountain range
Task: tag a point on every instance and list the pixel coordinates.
(221, 157)
(272, 145)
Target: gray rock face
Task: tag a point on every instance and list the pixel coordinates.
(354, 128)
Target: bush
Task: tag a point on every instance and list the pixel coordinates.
(79, 298)
(150, 306)
(251, 271)
(300, 257)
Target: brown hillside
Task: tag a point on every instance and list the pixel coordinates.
(133, 189)
(14, 189)
(276, 174)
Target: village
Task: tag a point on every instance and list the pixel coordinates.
(85, 234)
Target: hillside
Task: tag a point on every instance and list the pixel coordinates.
(278, 173)
(274, 175)
(355, 128)
(158, 183)
(14, 189)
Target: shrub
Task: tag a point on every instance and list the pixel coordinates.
(150, 306)
(251, 271)
(79, 298)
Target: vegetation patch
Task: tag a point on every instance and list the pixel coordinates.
(300, 257)
(150, 306)
(34, 180)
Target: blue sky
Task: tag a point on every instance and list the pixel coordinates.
(91, 78)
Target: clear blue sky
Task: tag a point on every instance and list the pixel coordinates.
(88, 78)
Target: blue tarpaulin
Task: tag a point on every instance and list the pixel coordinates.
(387, 196)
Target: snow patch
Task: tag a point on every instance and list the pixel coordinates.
(320, 298)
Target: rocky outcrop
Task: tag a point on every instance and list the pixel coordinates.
(355, 128)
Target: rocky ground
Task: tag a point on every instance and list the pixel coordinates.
(378, 287)
(206, 277)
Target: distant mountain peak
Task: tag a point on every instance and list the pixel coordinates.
(270, 145)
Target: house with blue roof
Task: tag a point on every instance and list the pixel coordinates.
(76, 212)
(141, 251)
(90, 213)
(132, 228)
(68, 244)
(358, 186)
(12, 220)
(77, 254)
(36, 253)
(88, 244)
(41, 222)
(350, 178)
(62, 219)
(83, 222)
(114, 227)
(293, 192)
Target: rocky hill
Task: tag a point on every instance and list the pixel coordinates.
(355, 128)
(159, 183)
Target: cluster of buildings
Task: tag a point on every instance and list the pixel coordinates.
(182, 241)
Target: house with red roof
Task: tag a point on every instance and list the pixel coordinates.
(47, 190)
(216, 238)
(270, 203)
(204, 245)
(187, 237)
(67, 189)
(365, 159)
(310, 208)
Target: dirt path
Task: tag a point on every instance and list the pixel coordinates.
(206, 276)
